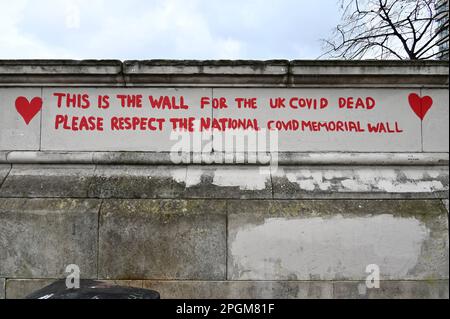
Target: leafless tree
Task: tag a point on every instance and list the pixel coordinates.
(386, 29)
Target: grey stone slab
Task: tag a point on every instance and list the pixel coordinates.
(132, 158)
(4, 171)
(42, 157)
(2, 288)
(243, 182)
(426, 289)
(446, 204)
(337, 239)
(48, 181)
(3, 156)
(40, 237)
(15, 132)
(162, 239)
(435, 125)
(20, 288)
(290, 182)
(241, 289)
(138, 182)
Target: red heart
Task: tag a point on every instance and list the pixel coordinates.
(28, 109)
(420, 105)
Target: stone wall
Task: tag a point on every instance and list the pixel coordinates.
(307, 228)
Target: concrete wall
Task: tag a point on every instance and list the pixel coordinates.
(307, 228)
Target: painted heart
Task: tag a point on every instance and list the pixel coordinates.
(420, 105)
(28, 109)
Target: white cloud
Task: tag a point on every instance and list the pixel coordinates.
(72, 15)
(195, 29)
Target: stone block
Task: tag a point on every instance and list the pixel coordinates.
(41, 237)
(2, 288)
(48, 181)
(138, 182)
(435, 125)
(446, 204)
(241, 289)
(427, 289)
(291, 182)
(4, 171)
(337, 239)
(162, 239)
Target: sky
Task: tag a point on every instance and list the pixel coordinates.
(165, 29)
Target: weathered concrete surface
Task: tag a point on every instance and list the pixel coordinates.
(427, 289)
(279, 158)
(2, 288)
(138, 182)
(241, 289)
(42, 157)
(162, 239)
(40, 237)
(4, 171)
(337, 239)
(60, 72)
(48, 181)
(298, 289)
(446, 204)
(224, 181)
(291, 182)
(355, 159)
(223, 73)
(20, 288)
(239, 181)
(372, 73)
(191, 72)
(3, 156)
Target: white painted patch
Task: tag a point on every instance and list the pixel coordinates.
(414, 174)
(355, 186)
(433, 174)
(307, 184)
(326, 248)
(309, 180)
(410, 187)
(244, 178)
(179, 175)
(366, 180)
(194, 176)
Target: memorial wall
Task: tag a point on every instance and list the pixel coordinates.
(304, 119)
(311, 175)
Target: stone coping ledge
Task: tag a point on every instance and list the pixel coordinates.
(219, 73)
(414, 289)
(282, 158)
(223, 182)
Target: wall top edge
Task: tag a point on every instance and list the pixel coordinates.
(211, 72)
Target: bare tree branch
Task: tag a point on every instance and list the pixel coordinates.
(401, 29)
